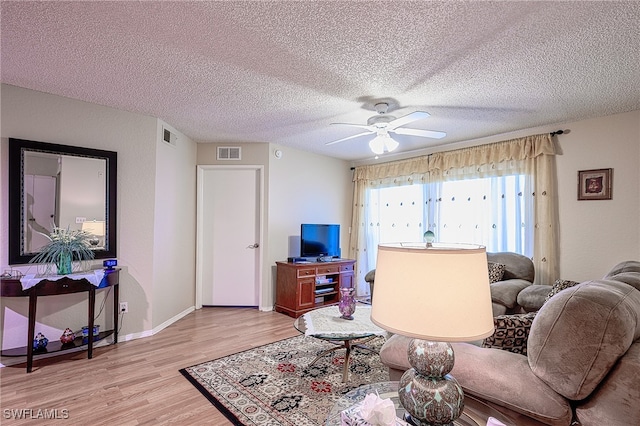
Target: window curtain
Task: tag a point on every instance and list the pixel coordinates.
(533, 156)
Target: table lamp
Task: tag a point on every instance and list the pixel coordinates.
(436, 293)
(96, 229)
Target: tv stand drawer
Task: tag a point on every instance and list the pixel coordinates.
(308, 272)
(333, 269)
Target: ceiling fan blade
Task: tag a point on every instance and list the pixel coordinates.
(348, 137)
(416, 115)
(419, 132)
(361, 126)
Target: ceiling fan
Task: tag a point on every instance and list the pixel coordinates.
(383, 124)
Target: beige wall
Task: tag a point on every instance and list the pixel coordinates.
(144, 199)
(305, 188)
(174, 228)
(597, 234)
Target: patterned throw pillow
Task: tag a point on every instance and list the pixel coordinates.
(496, 271)
(558, 287)
(511, 333)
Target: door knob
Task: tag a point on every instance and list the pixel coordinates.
(254, 246)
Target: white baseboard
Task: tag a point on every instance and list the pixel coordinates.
(157, 329)
(105, 342)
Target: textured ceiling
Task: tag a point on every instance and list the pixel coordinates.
(281, 72)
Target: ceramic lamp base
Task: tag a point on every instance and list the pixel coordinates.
(430, 395)
(415, 422)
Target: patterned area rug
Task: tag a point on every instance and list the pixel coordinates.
(274, 385)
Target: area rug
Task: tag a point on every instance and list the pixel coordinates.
(274, 385)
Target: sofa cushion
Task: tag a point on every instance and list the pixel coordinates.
(580, 333)
(505, 379)
(496, 271)
(511, 333)
(506, 292)
(558, 286)
(615, 403)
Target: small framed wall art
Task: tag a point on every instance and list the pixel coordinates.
(595, 184)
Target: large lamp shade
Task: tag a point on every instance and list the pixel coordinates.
(433, 291)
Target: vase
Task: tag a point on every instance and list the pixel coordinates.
(40, 342)
(347, 304)
(64, 264)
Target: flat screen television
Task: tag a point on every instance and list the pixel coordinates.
(319, 240)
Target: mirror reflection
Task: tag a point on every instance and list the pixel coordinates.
(63, 191)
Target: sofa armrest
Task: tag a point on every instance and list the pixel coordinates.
(393, 353)
(504, 378)
(499, 377)
(371, 276)
(533, 297)
(506, 292)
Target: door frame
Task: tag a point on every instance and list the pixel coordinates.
(201, 170)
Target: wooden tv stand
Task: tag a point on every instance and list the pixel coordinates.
(302, 287)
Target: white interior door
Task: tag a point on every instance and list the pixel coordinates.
(229, 230)
(40, 211)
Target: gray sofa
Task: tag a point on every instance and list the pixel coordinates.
(582, 363)
(518, 274)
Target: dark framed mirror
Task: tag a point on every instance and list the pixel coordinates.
(64, 186)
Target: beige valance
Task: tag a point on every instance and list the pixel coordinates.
(525, 148)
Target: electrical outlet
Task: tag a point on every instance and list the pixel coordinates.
(124, 307)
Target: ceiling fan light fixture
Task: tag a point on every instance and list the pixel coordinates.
(377, 145)
(382, 143)
(391, 144)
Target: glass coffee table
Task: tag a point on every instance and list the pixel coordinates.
(475, 412)
(327, 324)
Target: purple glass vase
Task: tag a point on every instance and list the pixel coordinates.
(347, 305)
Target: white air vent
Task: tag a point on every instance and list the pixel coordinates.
(169, 137)
(229, 153)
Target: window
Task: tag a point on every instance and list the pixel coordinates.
(490, 211)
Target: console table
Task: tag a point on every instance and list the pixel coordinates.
(12, 287)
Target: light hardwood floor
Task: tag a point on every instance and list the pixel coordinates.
(138, 382)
